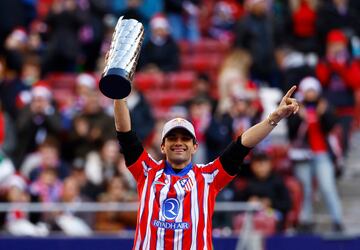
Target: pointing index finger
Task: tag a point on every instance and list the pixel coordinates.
(290, 92)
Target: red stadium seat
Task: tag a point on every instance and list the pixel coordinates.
(295, 191)
(204, 45)
(167, 98)
(357, 109)
(62, 81)
(207, 45)
(184, 46)
(63, 97)
(280, 160)
(181, 80)
(145, 81)
(201, 62)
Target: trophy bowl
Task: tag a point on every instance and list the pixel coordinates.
(121, 59)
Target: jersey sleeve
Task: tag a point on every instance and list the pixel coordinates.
(215, 175)
(142, 166)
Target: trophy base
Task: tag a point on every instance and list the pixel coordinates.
(115, 84)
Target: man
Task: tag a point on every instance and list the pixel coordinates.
(177, 197)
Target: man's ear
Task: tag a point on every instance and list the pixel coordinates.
(162, 148)
(196, 146)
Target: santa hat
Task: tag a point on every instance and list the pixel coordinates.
(306, 84)
(41, 89)
(19, 34)
(336, 35)
(87, 80)
(159, 21)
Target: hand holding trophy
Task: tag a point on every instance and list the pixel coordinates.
(122, 58)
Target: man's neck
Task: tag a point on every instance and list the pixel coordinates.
(176, 169)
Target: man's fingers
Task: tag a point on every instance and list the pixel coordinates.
(289, 101)
(290, 92)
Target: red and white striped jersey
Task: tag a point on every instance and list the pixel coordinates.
(176, 209)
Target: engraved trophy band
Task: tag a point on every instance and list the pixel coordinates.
(122, 58)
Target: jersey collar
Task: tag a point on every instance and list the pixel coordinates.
(170, 171)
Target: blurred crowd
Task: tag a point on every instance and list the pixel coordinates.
(221, 64)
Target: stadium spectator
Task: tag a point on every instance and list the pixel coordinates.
(90, 127)
(266, 188)
(294, 65)
(133, 11)
(116, 191)
(212, 134)
(244, 112)
(101, 166)
(11, 16)
(339, 75)
(46, 156)
(201, 87)
(256, 33)
(308, 132)
(142, 118)
(18, 221)
(7, 171)
(31, 69)
(337, 14)
(92, 31)
(12, 87)
(155, 52)
(183, 18)
(63, 47)
(303, 19)
(47, 186)
(7, 133)
(77, 172)
(234, 74)
(85, 83)
(70, 221)
(223, 21)
(36, 121)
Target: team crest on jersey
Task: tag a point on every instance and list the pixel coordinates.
(186, 183)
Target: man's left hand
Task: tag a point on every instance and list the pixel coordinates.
(286, 107)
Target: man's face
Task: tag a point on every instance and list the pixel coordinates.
(178, 147)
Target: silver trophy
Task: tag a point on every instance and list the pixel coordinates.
(122, 58)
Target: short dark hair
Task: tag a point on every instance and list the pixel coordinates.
(260, 156)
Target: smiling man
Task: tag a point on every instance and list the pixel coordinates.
(177, 197)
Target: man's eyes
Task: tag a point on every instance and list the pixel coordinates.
(183, 138)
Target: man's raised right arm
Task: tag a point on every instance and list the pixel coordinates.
(122, 116)
(131, 146)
